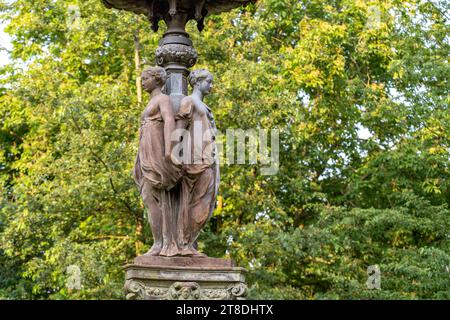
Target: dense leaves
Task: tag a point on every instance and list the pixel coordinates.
(358, 90)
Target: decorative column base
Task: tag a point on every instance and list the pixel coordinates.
(184, 278)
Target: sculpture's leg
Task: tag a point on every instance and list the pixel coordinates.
(183, 235)
(170, 246)
(172, 7)
(151, 15)
(203, 193)
(199, 5)
(155, 218)
(201, 24)
(198, 9)
(151, 9)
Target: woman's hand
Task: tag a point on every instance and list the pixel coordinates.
(168, 156)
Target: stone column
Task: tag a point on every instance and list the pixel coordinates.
(177, 55)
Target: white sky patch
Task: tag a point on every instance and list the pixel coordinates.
(363, 132)
(5, 45)
(261, 215)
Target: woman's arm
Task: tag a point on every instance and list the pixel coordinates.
(169, 124)
(184, 114)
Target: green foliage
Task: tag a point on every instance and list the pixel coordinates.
(328, 259)
(319, 71)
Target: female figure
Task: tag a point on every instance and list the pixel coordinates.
(200, 167)
(154, 172)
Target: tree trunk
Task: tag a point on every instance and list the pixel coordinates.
(137, 64)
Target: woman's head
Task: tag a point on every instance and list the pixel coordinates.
(201, 79)
(153, 77)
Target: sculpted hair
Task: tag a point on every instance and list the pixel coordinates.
(158, 73)
(198, 75)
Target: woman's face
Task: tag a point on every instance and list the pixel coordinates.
(148, 82)
(205, 85)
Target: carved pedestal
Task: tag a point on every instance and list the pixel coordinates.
(179, 278)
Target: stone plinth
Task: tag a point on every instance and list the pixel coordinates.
(184, 278)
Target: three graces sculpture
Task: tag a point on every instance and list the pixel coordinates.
(176, 166)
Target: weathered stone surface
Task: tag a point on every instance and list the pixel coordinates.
(176, 53)
(175, 11)
(206, 262)
(142, 6)
(193, 281)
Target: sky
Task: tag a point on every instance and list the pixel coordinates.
(4, 44)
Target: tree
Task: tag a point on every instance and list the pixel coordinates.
(320, 72)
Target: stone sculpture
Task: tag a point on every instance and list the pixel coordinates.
(200, 179)
(178, 174)
(178, 191)
(154, 171)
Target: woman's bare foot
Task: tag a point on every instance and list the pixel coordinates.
(170, 250)
(154, 251)
(186, 252)
(190, 251)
